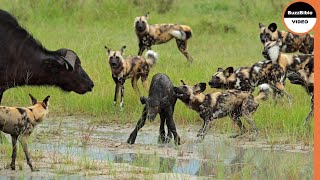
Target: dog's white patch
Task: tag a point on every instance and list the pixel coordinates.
(151, 57)
(237, 85)
(179, 34)
(256, 69)
(264, 87)
(238, 70)
(298, 59)
(283, 78)
(274, 53)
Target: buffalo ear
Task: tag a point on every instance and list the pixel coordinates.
(70, 60)
(108, 50)
(45, 102)
(261, 25)
(272, 27)
(143, 100)
(33, 100)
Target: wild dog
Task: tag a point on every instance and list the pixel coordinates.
(149, 35)
(161, 101)
(19, 122)
(248, 78)
(233, 103)
(129, 67)
(290, 42)
(287, 62)
(305, 78)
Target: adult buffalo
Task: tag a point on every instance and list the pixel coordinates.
(24, 61)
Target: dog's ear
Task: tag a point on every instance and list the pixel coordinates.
(45, 102)
(108, 50)
(122, 49)
(219, 70)
(183, 82)
(261, 25)
(147, 15)
(228, 71)
(33, 100)
(200, 88)
(272, 27)
(143, 100)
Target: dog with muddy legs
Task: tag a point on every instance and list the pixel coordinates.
(303, 43)
(149, 35)
(161, 101)
(19, 122)
(248, 78)
(135, 67)
(305, 78)
(232, 103)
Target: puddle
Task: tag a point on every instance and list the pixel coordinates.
(216, 157)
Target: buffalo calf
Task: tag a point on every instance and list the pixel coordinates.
(161, 101)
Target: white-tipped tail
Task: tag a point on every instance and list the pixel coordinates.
(179, 34)
(151, 57)
(264, 90)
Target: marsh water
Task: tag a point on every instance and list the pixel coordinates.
(73, 149)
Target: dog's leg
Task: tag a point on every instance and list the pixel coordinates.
(14, 152)
(310, 113)
(281, 88)
(134, 81)
(171, 126)
(237, 120)
(24, 140)
(144, 80)
(122, 96)
(140, 124)
(116, 91)
(183, 47)
(141, 49)
(162, 132)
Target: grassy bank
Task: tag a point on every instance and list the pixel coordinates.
(224, 34)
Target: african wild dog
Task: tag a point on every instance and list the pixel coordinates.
(233, 103)
(247, 78)
(161, 101)
(290, 42)
(130, 67)
(149, 35)
(305, 78)
(19, 122)
(287, 62)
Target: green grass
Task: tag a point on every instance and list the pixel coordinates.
(225, 33)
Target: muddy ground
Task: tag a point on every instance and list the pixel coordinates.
(71, 147)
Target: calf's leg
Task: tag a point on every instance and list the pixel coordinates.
(140, 124)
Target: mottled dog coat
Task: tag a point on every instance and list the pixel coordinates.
(130, 67)
(305, 78)
(233, 103)
(290, 42)
(19, 122)
(149, 35)
(287, 62)
(248, 78)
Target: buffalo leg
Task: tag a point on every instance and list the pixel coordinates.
(162, 132)
(14, 152)
(140, 124)
(172, 127)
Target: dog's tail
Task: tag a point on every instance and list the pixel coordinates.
(182, 34)
(264, 91)
(151, 58)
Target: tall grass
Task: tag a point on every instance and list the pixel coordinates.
(225, 33)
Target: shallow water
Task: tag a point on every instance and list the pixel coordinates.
(215, 157)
